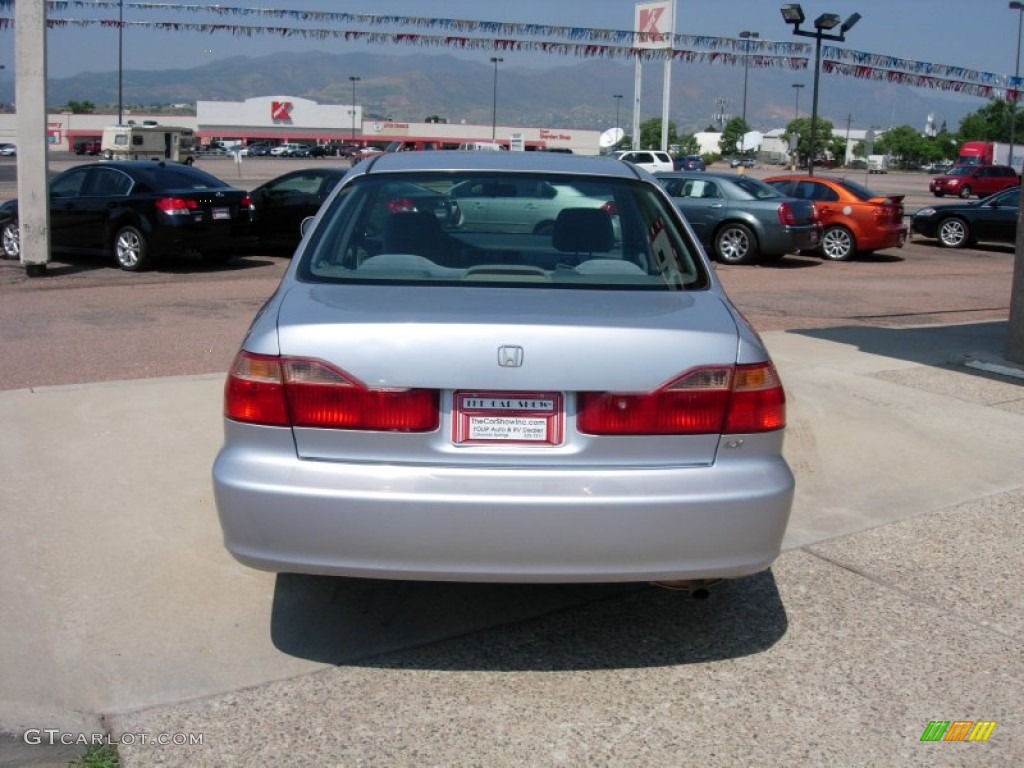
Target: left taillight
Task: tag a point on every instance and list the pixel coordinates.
(299, 392)
(719, 400)
(176, 206)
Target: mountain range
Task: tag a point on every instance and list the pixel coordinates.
(575, 95)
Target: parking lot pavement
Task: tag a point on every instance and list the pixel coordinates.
(896, 602)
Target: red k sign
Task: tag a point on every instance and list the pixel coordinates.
(281, 110)
(654, 24)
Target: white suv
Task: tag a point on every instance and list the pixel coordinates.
(649, 159)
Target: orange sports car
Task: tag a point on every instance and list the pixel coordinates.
(854, 219)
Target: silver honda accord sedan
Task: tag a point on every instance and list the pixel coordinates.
(442, 397)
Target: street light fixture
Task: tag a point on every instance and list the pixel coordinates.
(495, 60)
(1019, 7)
(354, 80)
(746, 37)
(793, 14)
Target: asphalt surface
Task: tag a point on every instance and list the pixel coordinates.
(896, 602)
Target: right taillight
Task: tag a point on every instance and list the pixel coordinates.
(300, 392)
(719, 400)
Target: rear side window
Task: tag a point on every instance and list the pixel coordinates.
(501, 228)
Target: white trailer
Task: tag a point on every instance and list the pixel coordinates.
(878, 164)
(149, 141)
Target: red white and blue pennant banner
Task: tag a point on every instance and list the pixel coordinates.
(583, 42)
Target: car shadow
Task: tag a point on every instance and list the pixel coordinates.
(875, 257)
(65, 265)
(504, 627)
(938, 345)
(792, 261)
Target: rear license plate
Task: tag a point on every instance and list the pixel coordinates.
(221, 213)
(508, 418)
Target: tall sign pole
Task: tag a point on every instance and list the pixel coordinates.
(655, 30)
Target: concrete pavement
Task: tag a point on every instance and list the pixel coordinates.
(897, 601)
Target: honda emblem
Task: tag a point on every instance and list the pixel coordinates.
(510, 357)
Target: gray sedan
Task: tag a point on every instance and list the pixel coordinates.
(422, 401)
(740, 219)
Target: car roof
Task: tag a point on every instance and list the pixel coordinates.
(524, 162)
(701, 175)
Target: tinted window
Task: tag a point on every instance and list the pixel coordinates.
(857, 190)
(180, 177)
(69, 184)
(755, 189)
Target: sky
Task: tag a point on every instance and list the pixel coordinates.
(975, 34)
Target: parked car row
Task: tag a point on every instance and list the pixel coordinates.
(137, 211)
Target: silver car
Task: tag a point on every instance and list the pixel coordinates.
(742, 220)
(416, 401)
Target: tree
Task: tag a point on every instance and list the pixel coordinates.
(802, 127)
(650, 133)
(732, 136)
(435, 119)
(688, 144)
(902, 142)
(990, 123)
(80, 107)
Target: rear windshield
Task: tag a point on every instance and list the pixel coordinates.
(173, 176)
(757, 189)
(858, 190)
(533, 230)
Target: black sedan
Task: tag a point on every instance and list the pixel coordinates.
(958, 225)
(137, 211)
(281, 204)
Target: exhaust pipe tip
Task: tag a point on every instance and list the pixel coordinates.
(697, 588)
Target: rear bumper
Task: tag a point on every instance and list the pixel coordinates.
(792, 239)
(894, 236)
(457, 523)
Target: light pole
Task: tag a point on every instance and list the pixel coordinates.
(746, 37)
(1019, 7)
(120, 62)
(354, 80)
(796, 108)
(618, 103)
(495, 60)
(793, 14)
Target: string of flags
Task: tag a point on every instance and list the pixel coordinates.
(584, 42)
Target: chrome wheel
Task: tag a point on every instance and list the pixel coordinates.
(130, 249)
(837, 244)
(965, 192)
(10, 240)
(735, 244)
(953, 233)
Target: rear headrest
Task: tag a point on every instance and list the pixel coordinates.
(583, 230)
